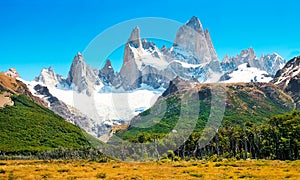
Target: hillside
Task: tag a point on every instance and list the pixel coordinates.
(27, 126)
(253, 102)
(13, 86)
(250, 128)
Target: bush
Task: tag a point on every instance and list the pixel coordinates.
(63, 170)
(101, 175)
(217, 165)
(197, 175)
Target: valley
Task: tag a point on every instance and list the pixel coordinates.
(177, 112)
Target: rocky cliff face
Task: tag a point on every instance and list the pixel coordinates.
(129, 72)
(12, 72)
(271, 63)
(288, 79)
(193, 38)
(82, 78)
(143, 63)
(107, 73)
(13, 86)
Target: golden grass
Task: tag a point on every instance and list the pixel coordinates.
(262, 169)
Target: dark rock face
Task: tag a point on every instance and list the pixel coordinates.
(288, 79)
(107, 73)
(225, 77)
(43, 90)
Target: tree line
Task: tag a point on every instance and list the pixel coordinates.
(277, 138)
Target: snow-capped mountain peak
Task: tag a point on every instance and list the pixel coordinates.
(288, 72)
(49, 78)
(270, 63)
(147, 71)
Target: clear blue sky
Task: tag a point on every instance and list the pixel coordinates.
(42, 33)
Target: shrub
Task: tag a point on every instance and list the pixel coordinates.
(63, 170)
(101, 175)
(197, 175)
(217, 165)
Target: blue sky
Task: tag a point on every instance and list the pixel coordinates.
(42, 33)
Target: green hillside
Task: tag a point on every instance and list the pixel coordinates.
(252, 102)
(28, 128)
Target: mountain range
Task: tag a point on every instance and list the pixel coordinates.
(97, 100)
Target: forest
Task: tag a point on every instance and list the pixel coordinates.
(278, 138)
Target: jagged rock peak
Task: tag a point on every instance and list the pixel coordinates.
(79, 54)
(12, 72)
(195, 23)
(226, 59)
(107, 69)
(163, 48)
(49, 77)
(49, 69)
(135, 39)
(78, 57)
(191, 37)
(107, 74)
(108, 64)
(210, 45)
(82, 77)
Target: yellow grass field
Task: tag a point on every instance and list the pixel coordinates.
(249, 169)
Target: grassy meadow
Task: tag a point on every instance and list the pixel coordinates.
(249, 169)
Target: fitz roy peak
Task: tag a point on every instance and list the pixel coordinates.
(191, 56)
(193, 38)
